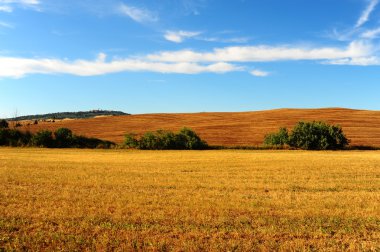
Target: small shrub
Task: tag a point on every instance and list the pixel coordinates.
(14, 138)
(130, 141)
(279, 139)
(63, 138)
(43, 138)
(4, 136)
(149, 141)
(188, 139)
(4, 124)
(83, 142)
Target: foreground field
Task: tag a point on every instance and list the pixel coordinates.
(190, 200)
(227, 129)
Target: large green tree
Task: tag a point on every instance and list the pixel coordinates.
(317, 136)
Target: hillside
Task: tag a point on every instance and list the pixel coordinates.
(362, 127)
(71, 115)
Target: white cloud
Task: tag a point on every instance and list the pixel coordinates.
(8, 5)
(361, 61)
(259, 73)
(18, 67)
(137, 14)
(24, 2)
(366, 13)
(6, 8)
(371, 34)
(263, 53)
(179, 36)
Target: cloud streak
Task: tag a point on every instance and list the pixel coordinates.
(361, 61)
(180, 36)
(8, 5)
(259, 73)
(371, 34)
(12, 67)
(139, 15)
(263, 53)
(366, 13)
(6, 8)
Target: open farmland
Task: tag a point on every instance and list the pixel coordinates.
(189, 200)
(362, 127)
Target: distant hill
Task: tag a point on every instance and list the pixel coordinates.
(229, 129)
(70, 115)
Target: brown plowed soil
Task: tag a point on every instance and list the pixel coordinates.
(362, 127)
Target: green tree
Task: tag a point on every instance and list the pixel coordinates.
(317, 136)
(188, 139)
(43, 138)
(130, 140)
(63, 138)
(279, 138)
(149, 141)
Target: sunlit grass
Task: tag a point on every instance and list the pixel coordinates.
(189, 200)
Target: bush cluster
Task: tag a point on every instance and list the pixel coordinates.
(185, 139)
(3, 124)
(280, 138)
(61, 138)
(309, 136)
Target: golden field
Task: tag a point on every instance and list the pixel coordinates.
(226, 129)
(229, 200)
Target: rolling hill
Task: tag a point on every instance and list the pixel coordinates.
(362, 127)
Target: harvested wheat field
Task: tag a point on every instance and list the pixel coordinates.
(75, 200)
(228, 129)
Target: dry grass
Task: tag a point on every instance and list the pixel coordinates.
(77, 200)
(228, 129)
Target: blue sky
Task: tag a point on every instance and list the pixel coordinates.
(146, 56)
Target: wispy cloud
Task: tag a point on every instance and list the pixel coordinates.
(26, 2)
(6, 8)
(9, 5)
(6, 25)
(139, 15)
(356, 31)
(259, 73)
(263, 53)
(180, 36)
(360, 61)
(237, 40)
(371, 34)
(193, 6)
(12, 67)
(366, 13)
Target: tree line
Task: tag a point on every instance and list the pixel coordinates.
(70, 115)
(61, 138)
(314, 135)
(185, 139)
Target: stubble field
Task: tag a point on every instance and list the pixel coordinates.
(75, 200)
